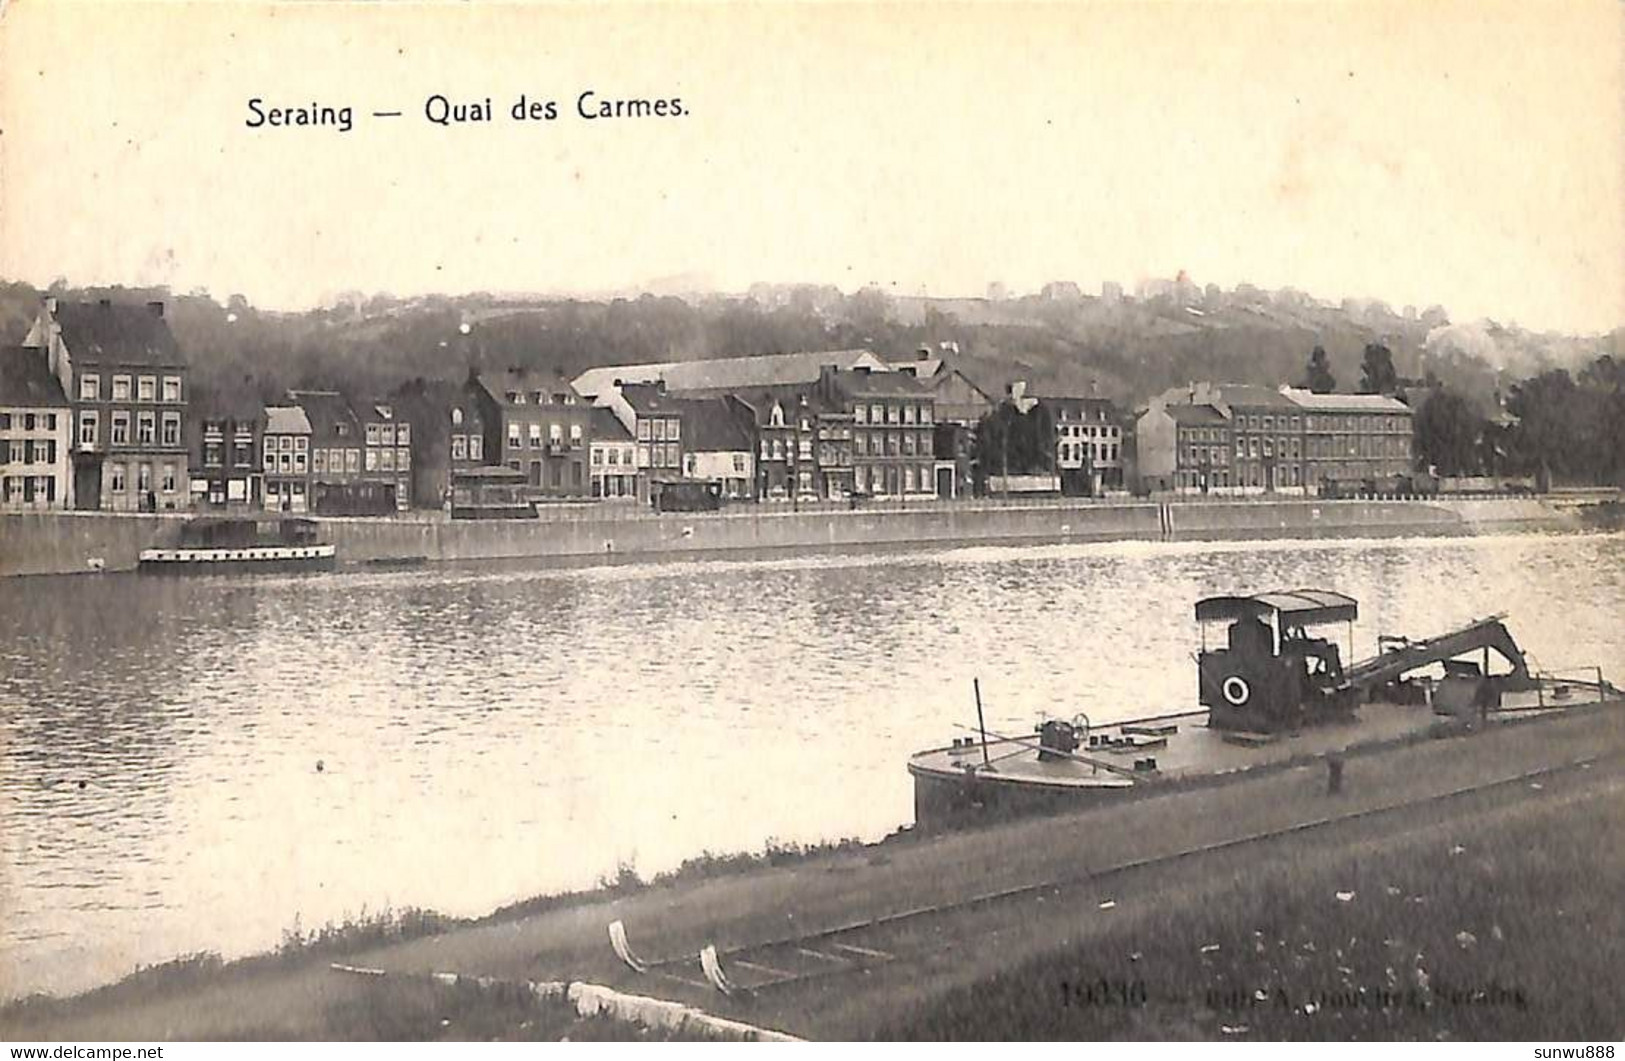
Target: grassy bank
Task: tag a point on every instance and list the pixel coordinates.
(1502, 935)
(305, 949)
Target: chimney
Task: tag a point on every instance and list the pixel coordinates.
(922, 354)
(156, 309)
(50, 305)
(660, 386)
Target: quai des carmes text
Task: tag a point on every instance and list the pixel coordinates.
(449, 111)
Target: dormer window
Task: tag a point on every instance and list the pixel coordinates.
(538, 397)
(776, 417)
(516, 398)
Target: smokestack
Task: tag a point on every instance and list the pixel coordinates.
(156, 309)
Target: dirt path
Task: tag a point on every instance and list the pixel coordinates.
(934, 952)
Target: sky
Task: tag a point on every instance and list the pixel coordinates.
(1467, 154)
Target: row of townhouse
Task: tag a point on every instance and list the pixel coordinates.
(822, 425)
(832, 424)
(1090, 455)
(319, 453)
(93, 411)
(1240, 438)
(97, 412)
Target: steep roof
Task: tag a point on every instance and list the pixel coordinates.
(716, 425)
(118, 332)
(921, 368)
(526, 381)
(607, 427)
(648, 398)
(227, 403)
(26, 380)
(327, 410)
(789, 399)
(286, 420)
(880, 384)
(1344, 403)
(935, 381)
(376, 409)
(1248, 394)
(1252, 394)
(1072, 405)
(1196, 414)
(723, 374)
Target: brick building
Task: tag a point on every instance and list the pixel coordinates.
(125, 379)
(535, 423)
(1088, 443)
(1183, 448)
(893, 428)
(227, 471)
(286, 451)
(1353, 437)
(35, 434)
(613, 461)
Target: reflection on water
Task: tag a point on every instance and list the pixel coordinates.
(192, 764)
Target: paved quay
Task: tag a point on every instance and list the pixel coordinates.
(934, 913)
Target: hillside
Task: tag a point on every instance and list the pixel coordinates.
(1128, 348)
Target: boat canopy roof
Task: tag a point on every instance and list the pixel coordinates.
(1301, 607)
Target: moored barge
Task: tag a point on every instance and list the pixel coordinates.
(222, 545)
(1272, 694)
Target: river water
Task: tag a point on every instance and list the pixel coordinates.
(197, 764)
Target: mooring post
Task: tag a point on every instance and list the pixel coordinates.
(1334, 773)
(976, 685)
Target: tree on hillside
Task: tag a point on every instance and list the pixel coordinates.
(1552, 433)
(1377, 372)
(1008, 440)
(1448, 432)
(1318, 376)
(1603, 384)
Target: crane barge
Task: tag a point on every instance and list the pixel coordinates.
(1273, 689)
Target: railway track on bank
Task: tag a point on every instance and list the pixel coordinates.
(764, 967)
